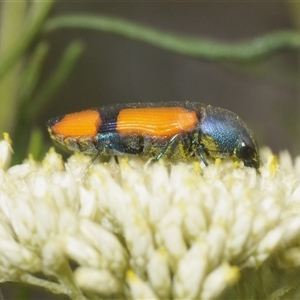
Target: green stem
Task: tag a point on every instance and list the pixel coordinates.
(196, 47)
(12, 22)
(62, 72)
(31, 73)
(19, 25)
(56, 288)
(10, 58)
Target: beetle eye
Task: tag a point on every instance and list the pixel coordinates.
(246, 151)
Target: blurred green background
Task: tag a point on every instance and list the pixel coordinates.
(46, 73)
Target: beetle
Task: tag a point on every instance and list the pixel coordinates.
(173, 130)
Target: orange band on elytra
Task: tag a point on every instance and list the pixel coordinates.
(84, 123)
(156, 121)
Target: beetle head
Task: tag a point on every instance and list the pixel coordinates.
(247, 149)
(224, 134)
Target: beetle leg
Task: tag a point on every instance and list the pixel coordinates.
(170, 142)
(201, 154)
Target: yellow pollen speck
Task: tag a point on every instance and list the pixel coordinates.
(232, 274)
(273, 163)
(218, 162)
(7, 138)
(130, 275)
(163, 251)
(124, 161)
(236, 164)
(197, 167)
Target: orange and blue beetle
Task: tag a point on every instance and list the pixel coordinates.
(173, 130)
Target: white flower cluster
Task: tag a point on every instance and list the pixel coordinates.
(135, 231)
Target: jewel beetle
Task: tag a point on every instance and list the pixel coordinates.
(173, 130)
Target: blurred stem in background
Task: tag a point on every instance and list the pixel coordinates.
(20, 24)
(23, 97)
(202, 48)
(13, 15)
(34, 99)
